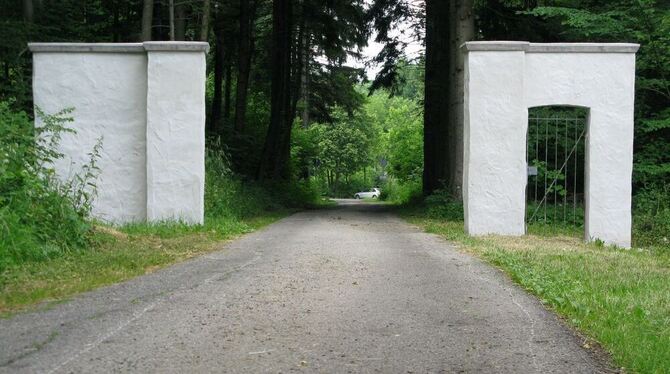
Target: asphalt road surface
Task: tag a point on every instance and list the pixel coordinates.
(352, 289)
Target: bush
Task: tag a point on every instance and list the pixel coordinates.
(651, 216)
(401, 192)
(41, 217)
(229, 196)
(441, 204)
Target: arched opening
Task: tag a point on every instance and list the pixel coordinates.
(556, 153)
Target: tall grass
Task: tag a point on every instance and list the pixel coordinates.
(651, 217)
(41, 216)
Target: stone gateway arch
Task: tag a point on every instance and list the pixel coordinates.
(502, 81)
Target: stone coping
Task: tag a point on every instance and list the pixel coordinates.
(120, 47)
(177, 46)
(551, 47)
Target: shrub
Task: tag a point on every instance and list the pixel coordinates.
(401, 192)
(40, 216)
(443, 205)
(651, 216)
(229, 196)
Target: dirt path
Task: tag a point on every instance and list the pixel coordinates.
(351, 289)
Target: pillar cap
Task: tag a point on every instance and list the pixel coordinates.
(550, 47)
(119, 47)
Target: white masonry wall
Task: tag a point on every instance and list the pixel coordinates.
(503, 80)
(175, 134)
(152, 159)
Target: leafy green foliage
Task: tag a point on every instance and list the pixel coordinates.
(335, 152)
(344, 146)
(646, 23)
(404, 140)
(229, 196)
(41, 216)
(380, 145)
(651, 217)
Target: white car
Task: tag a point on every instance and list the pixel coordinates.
(373, 193)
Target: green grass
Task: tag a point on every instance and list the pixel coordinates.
(620, 298)
(116, 255)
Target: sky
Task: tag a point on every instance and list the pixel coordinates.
(404, 31)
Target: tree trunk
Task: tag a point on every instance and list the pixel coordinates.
(180, 21)
(116, 36)
(289, 101)
(305, 80)
(204, 30)
(272, 164)
(171, 18)
(462, 30)
(215, 118)
(227, 94)
(436, 103)
(28, 11)
(147, 19)
(297, 72)
(243, 66)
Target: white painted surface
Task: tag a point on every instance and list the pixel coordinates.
(108, 92)
(107, 84)
(504, 79)
(176, 136)
(495, 149)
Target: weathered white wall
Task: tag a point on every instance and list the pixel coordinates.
(503, 80)
(495, 148)
(108, 85)
(175, 134)
(108, 92)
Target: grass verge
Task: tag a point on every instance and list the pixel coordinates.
(620, 298)
(116, 255)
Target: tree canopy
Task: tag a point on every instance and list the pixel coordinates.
(275, 65)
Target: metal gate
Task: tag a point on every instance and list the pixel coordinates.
(555, 155)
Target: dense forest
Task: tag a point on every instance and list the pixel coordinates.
(288, 99)
(280, 65)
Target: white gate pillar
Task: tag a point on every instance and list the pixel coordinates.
(147, 103)
(494, 132)
(503, 80)
(175, 131)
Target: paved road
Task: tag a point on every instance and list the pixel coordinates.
(352, 289)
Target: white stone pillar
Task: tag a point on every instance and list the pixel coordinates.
(146, 101)
(609, 166)
(176, 131)
(495, 140)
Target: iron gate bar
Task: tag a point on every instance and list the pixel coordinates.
(574, 184)
(546, 157)
(544, 198)
(555, 162)
(562, 174)
(565, 157)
